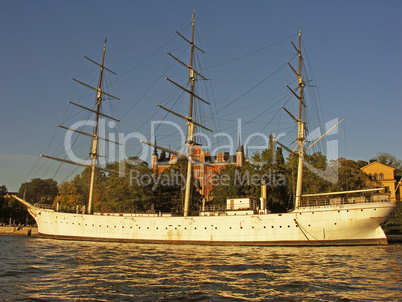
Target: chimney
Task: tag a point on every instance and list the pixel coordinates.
(263, 198)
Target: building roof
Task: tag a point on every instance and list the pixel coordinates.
(376, 163)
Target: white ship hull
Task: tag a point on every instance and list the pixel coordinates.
(347, 224)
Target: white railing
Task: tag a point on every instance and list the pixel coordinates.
(44, 206)
(345, 200)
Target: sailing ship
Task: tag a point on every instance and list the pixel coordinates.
(325, 219)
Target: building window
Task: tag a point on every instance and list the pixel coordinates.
(370, 176)
(381, 176)
(375, 176)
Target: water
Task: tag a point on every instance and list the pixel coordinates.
(36, 269)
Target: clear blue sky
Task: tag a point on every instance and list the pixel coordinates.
(354, 48)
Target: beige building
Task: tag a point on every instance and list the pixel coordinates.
(385, 175)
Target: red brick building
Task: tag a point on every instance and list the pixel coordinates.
(203, 173)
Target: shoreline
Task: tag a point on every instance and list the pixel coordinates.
(21, 231)
(33, 231)
(394, 238)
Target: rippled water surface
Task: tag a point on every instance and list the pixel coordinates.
(36, 269)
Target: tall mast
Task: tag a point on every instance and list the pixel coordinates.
(300, 131)
(300, 123)
(95, 135)
(94, 152)
(190, 131)
(190, 122)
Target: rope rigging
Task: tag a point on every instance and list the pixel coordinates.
(225, 110)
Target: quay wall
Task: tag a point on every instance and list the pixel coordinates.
(11, 230)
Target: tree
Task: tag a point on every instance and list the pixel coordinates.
(393, 224)
(313, 181)
(169, 189)
(68, 197)
(11, 209)
(39, 191)
(4, 209)
(131, 192)
(351, 177)
(273, 174)
(267, 167)
(236, 181)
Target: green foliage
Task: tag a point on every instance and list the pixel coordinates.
(233, 181)
(170, 189)
(137, 190)
(39, 190)
(11, 209)
(393, 224)
(129, 193)
(4, 208)
(268, 168)
(351, 177)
